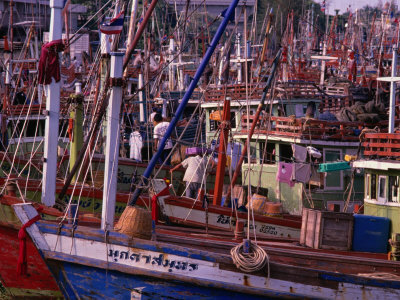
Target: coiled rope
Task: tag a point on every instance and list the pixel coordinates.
(250, 262)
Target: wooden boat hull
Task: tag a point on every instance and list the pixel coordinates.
(39, 282)
(150, 269)
(186, 211)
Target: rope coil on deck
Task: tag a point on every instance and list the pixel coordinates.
(250, 262)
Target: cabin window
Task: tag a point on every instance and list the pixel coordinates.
(368, 186)
(373, 186)
(267, 155)
(393, 189)
(253, 155)
(31, 130)
(233, 119)
(63, 128)
(285, 152)
(333, 180)
(15, 128)
(213, 125)
(382, 189)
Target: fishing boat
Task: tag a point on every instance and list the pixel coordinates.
(103, 263)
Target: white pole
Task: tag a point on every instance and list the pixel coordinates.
(105, 44)
(221, 65)
(392, 104)
(39, 86)
(171, 68)
(132, 23)
(238, 65)
(112, 143)
(164, 108)
(142, 104)
(78, 88)
(52, 118)
(323, 66)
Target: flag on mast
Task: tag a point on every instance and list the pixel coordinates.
(114, 26)
(323, 6)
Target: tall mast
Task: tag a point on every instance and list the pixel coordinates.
(227, 17)
(52, 117)
(112, 142)
(223, 146)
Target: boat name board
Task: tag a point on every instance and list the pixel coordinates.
(137, 258)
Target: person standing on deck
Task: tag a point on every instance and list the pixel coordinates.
(195, 166)
(160, 128)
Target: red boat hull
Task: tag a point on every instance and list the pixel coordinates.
(37, 283)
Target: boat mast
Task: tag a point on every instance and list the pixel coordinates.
(112, 142)
(228, 15)
(102, 106)
(223, 146)
(253, 125)
(52, 117)
(392, 103)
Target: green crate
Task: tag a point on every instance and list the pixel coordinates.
(334, 166)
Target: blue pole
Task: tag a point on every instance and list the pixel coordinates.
(228, 14)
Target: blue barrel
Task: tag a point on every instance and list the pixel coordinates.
(371, 234)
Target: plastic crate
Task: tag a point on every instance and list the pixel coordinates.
(371, 234)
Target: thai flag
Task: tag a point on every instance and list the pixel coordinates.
(114, 26)
(323, 6)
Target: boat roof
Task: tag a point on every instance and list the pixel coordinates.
(381, 164)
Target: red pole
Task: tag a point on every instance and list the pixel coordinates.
(223, 144)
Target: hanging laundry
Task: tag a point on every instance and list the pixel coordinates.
(136, 144)
(49, 65)
(299, 153)
(301, 172)
(284, 173)
(314, 152)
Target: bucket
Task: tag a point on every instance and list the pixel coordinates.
(273, 209)
(135, 222)
(259, 202)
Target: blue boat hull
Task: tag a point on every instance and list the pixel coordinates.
(83, 282)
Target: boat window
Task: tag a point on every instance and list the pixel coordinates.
(367, 186)
(333, 180)
(31, 129)
(233, 119)
(373, 186)
(213, 125)
(393, 189)
(285, 152)
(267, 155)
(253, 155)
(382, 189)
(63, 128)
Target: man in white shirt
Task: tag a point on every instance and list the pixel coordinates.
(160, 128)
(195, 166)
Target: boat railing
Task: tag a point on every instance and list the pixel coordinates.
(297, 89)
(381, 144)
(235, 92)
(305, 128)
(34, 109)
